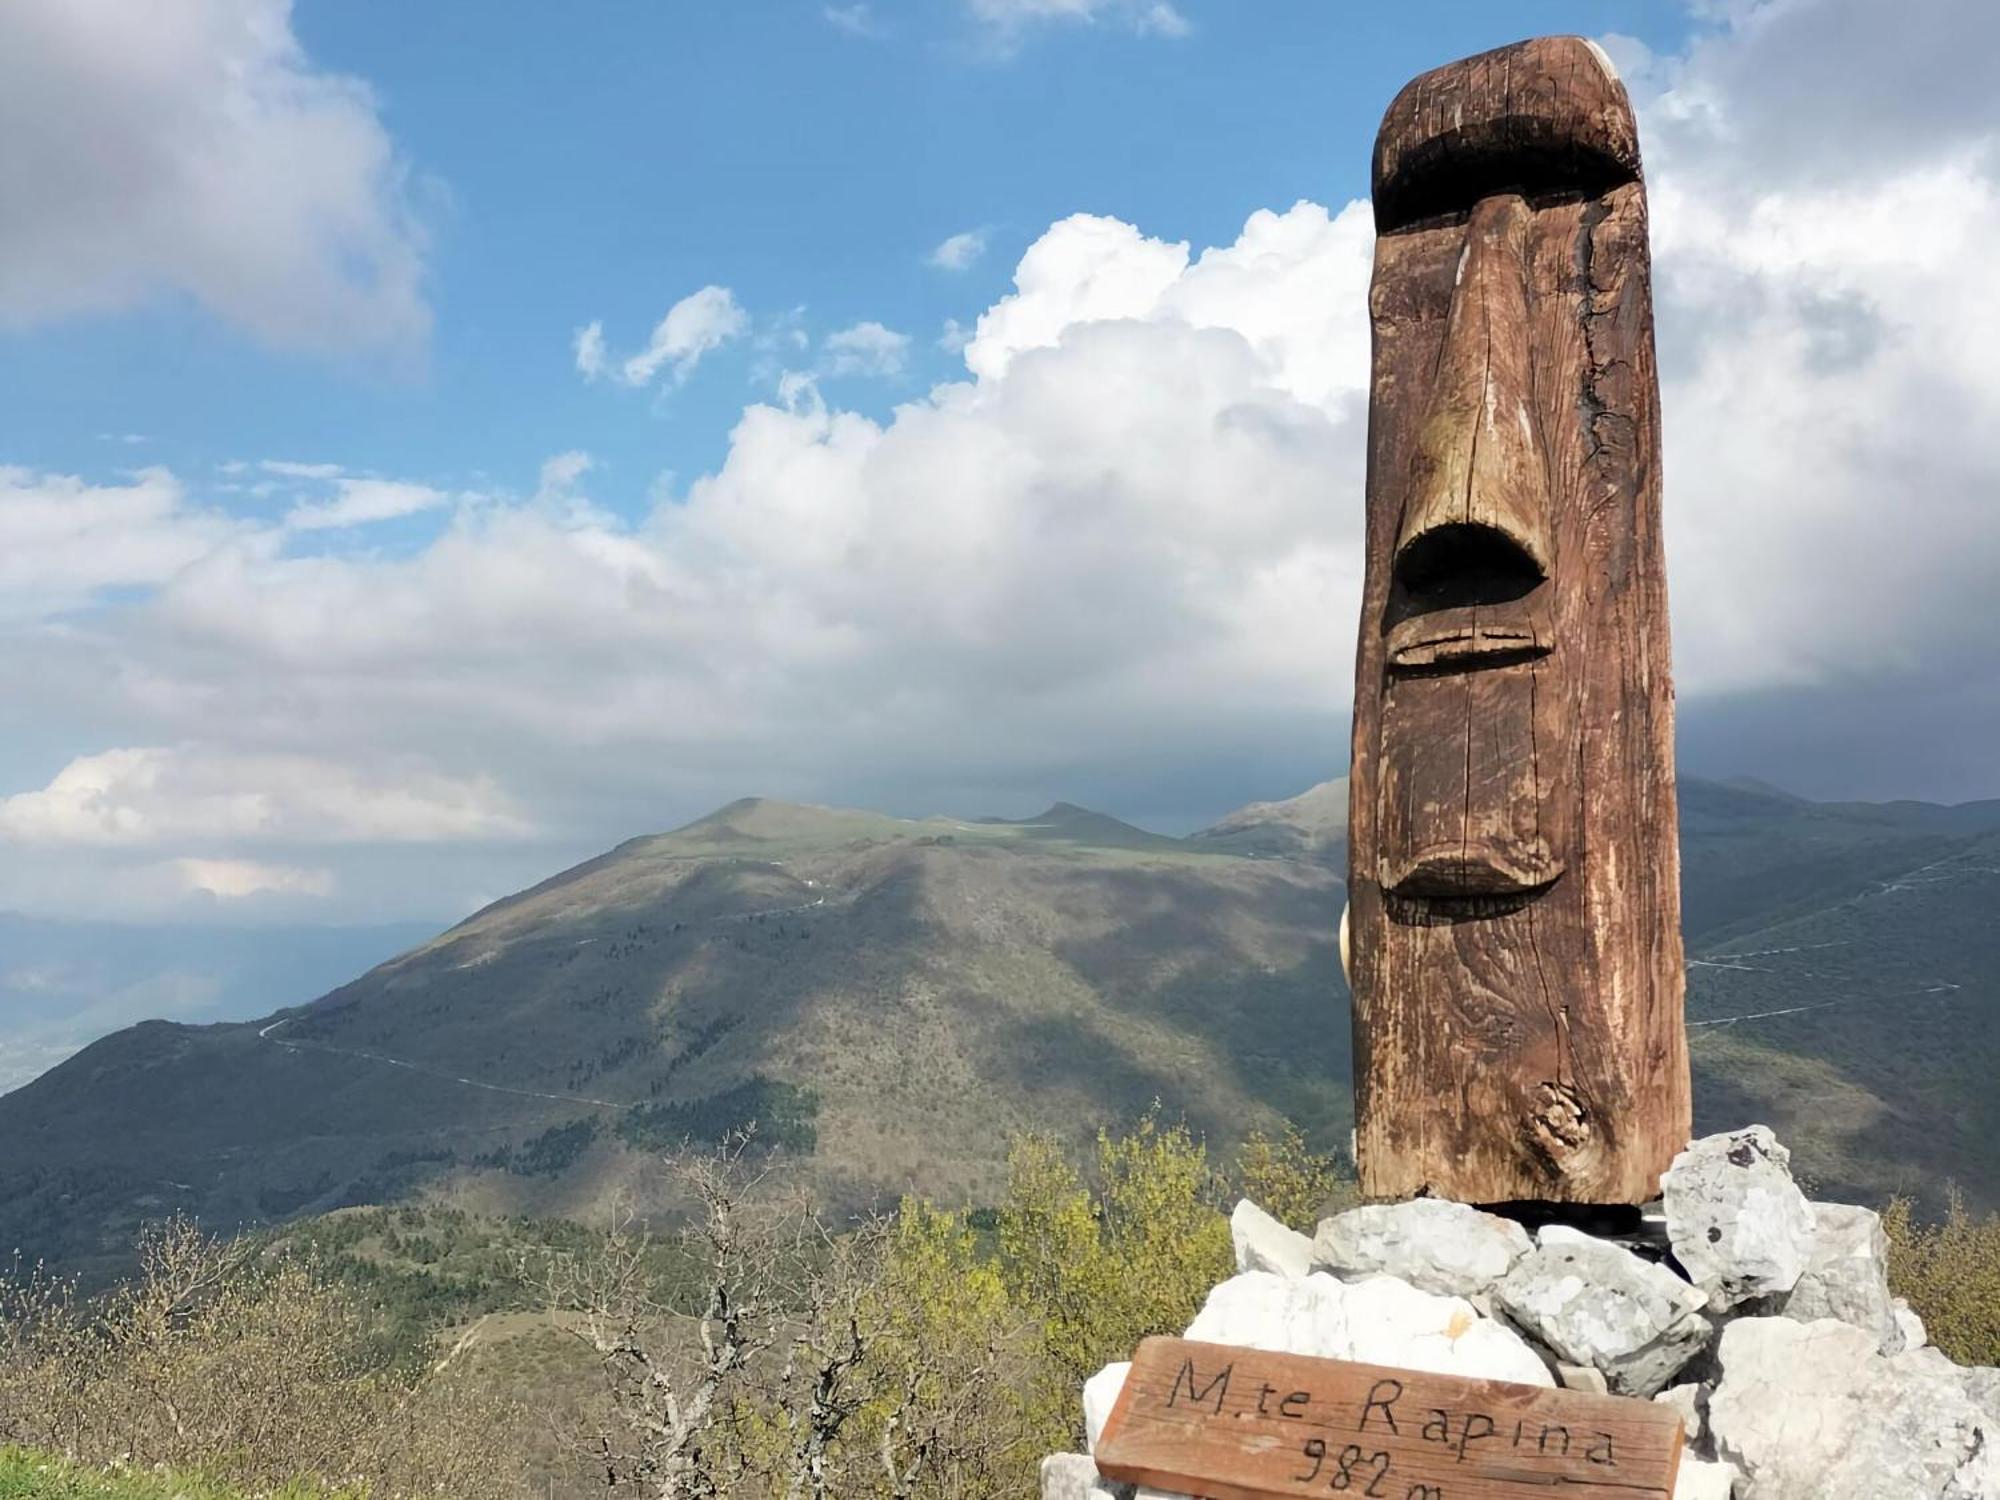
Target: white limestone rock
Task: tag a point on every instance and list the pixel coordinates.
(1848, 1275)
(1100, 1394)
(1690, 1400)
(1390, 1322)
(1383, 1320)
(1597, 1304)
(1814, 1411)
(1581, 1378)
(1261, 1310)
(1264, 1244)
(1700, 1479)
(1738, 1223)
(1436, 1246)
(1982, 1384)
(1909, 1326)
(1074, 1476)
(1563, 1234)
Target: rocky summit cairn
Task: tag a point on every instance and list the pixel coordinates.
(1763, 1319)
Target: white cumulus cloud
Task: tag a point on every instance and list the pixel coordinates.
(592, 359)
(866, 349)
(235, 879)
(856, 20)
(698, 324)
(1124, 547)
(292, 469)
(359, 501)
(208, 794)
(1146, 17)
(194, 148)
(63, 541)
(960, 251)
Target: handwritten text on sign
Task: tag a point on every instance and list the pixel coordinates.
(1240, 1424)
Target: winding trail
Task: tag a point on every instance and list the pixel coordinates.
(1935, 872)
(1796, 1010)
(398, 1062)
(264, 1032)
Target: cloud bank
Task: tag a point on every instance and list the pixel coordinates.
(193, 148)
(1119, 554)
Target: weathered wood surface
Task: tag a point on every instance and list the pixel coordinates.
(1240, 1424)
(1514, 916)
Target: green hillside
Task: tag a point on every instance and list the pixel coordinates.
(888, 999)
(1866, 1031)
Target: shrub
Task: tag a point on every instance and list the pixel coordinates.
(251, 1368)
(1291, 1182)
(869, 1363)
(1950, 1273)
(1100, 1269)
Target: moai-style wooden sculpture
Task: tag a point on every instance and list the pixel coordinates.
(1514, 900)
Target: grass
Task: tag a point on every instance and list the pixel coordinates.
(27, 1474)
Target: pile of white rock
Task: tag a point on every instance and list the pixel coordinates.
(1764, 1319)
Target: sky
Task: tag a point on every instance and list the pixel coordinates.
(439, 442)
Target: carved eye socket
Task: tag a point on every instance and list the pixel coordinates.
(1453, 566)
(1447, 175)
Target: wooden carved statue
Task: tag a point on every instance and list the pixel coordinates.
(1514, 900)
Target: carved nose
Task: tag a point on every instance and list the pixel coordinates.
(1475, 526)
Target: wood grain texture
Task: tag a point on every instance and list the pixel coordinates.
(1514, 905)
(1226, 1423)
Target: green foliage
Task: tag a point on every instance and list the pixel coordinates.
(249, 1367)
(783, 1115)
(1950, 1273)
(1099, 1268)
(314, 1350)
(418, 1269)
(29, 1474)
(957, 1357)
(1164, 1227)
(549, 1154)
(1293, 1183)
(1052, 1255)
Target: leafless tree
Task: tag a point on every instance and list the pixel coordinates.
(759, 1353)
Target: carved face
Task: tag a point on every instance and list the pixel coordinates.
(1481, 305)
(1512, 706)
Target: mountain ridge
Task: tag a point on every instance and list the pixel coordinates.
(895, 995)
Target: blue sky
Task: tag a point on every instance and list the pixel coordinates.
(359, 562)
(603, 164)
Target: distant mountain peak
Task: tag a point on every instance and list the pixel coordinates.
(1066, 822)
(768, 819)
(1312, 825)
(1762, 787)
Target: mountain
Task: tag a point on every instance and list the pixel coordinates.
(890, 998)
(1312, 825)
(1864, 1024)
(64, 984)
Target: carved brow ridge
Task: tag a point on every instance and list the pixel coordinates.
(1542, 118)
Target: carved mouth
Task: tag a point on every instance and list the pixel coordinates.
(1456, 637)
(1487, 868)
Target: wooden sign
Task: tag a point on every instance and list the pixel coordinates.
(1226, 1423)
